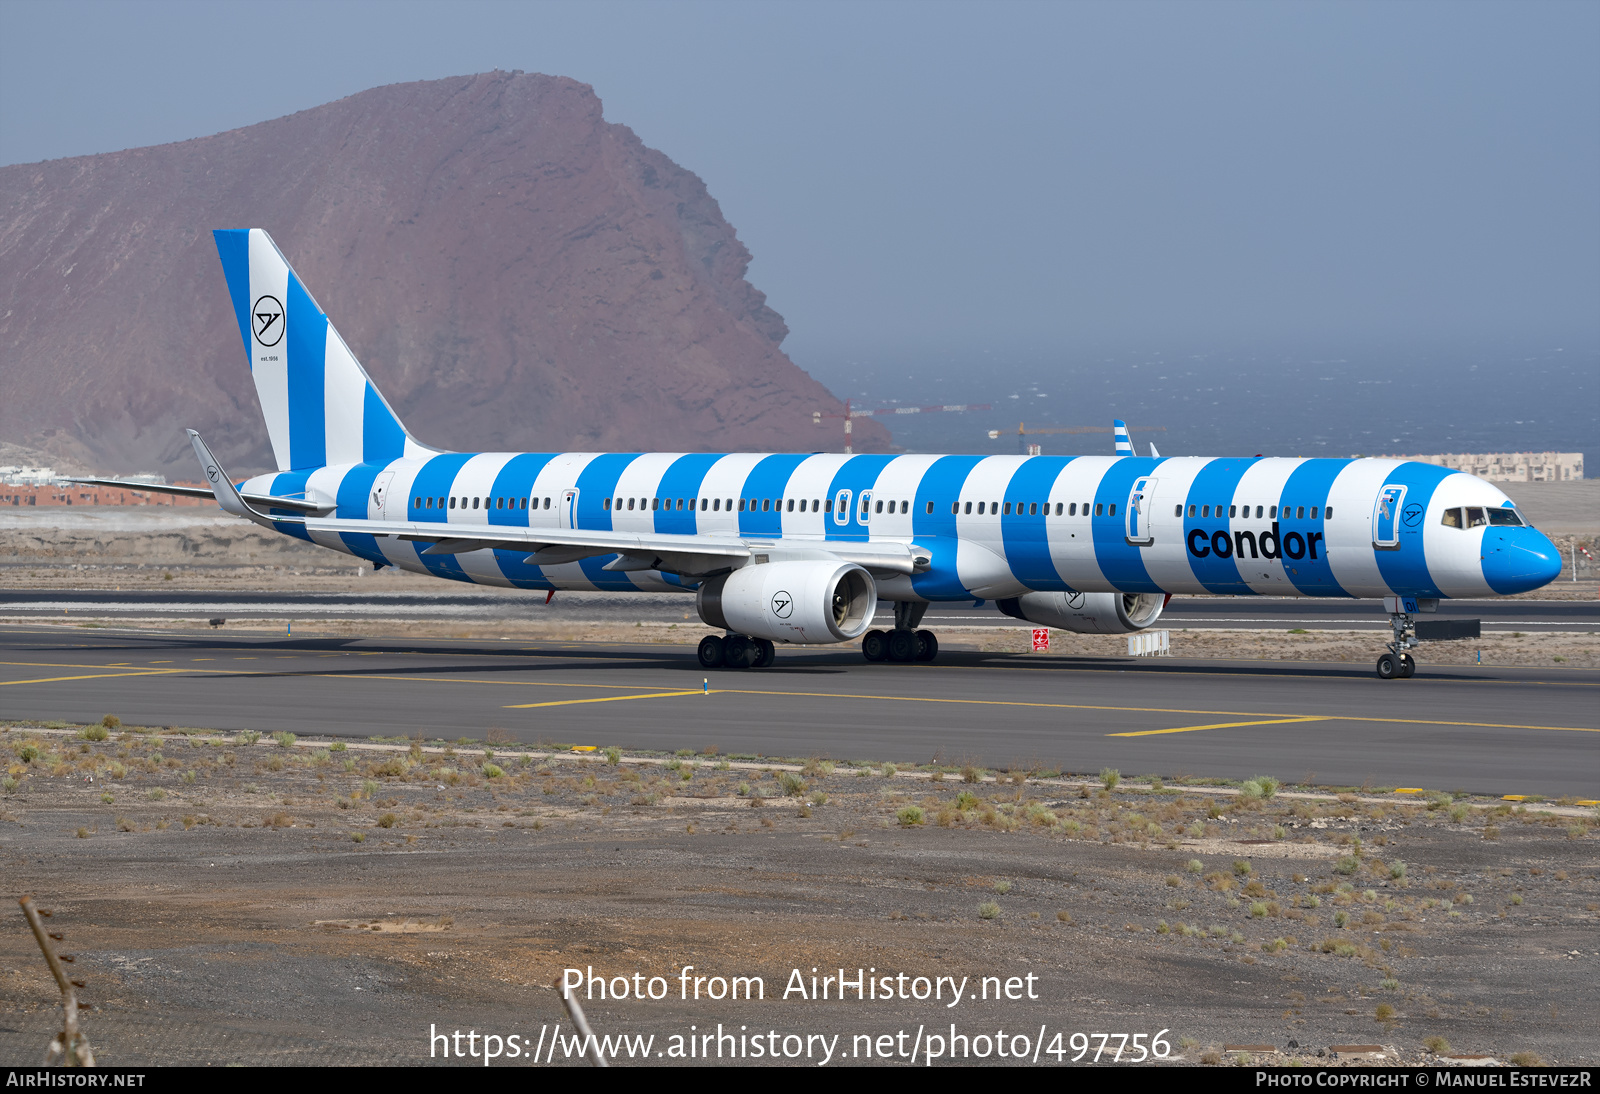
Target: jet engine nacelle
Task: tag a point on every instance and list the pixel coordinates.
(1087, 613)
(812, 601)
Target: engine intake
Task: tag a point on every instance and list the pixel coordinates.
(801, 601)
(1087, 613)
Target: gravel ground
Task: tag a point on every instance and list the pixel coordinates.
(230, 901)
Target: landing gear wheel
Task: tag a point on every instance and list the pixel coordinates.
(1388, 667)
(738, 651)
(711, 651)
(1408, 665)
(903, 645)
(875, 646)
(766, 653)
(927, 646)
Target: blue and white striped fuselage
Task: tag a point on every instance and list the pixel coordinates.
(991, 527)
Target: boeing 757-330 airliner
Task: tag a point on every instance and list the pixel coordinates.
(797, 548)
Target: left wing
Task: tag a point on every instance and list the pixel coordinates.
(690, 555)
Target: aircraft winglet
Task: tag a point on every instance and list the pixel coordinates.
(222, 487)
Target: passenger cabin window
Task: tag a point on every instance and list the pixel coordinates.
(1258, 512)
(606, 504)
(474, 503)
(1272, 512)
(1072, 510)
(1099, 509)
(1327, 514)
(827, 505)
(930, 509)
(716, 505)
(1475, 517)
(1205, 510)
(1058, 508)
(1113, 509)
(969, 508)
(1233, 511)
(1313, 512)
(524, 503)
(1451, 518)
(1300, 513)
(741, 505)
(1505, 518)
(1192, 510)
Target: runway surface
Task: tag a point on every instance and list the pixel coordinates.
(1563, 616)
(1486, 730)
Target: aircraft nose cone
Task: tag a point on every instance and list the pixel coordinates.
(1517, 560)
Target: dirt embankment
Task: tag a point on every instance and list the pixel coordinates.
(231, 900)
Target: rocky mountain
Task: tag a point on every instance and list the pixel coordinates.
(514, 271)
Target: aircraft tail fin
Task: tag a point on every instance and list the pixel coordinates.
(320, 406)
(1124, 446)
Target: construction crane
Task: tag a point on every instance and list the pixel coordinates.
(817, 415)
(1023, 432)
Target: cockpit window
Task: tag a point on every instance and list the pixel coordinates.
(1451, 518)
(1475, 517)
(1507, 518)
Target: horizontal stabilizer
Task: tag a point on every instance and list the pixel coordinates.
(299, 505)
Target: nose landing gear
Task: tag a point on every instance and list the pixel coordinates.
(1390, 666)
(1397, 662)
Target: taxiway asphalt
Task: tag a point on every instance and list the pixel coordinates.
(1197, 612)
(1495, 730)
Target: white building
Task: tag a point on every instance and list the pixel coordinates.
(1513, 466)
(16, 475)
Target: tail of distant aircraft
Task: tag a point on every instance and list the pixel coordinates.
(320, 406)
(1120, 428)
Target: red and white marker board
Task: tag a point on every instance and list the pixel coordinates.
(1041, 638)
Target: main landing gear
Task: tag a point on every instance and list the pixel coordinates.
(736, 651)
(1397, 662)
(904, 643)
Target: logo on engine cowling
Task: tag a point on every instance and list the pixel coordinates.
(1075, 600)
(782, 604)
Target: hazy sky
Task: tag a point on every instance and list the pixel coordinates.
(946, 175)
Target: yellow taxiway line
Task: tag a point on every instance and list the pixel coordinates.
(91, 676)
(1222, 725)
(602, 699)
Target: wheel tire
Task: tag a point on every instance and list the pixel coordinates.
(766, 654)
(927, 646)
(903, 645)
(875, 646)
(711, 651)
(737, 651)
(1408, 666)
(1388, 667)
